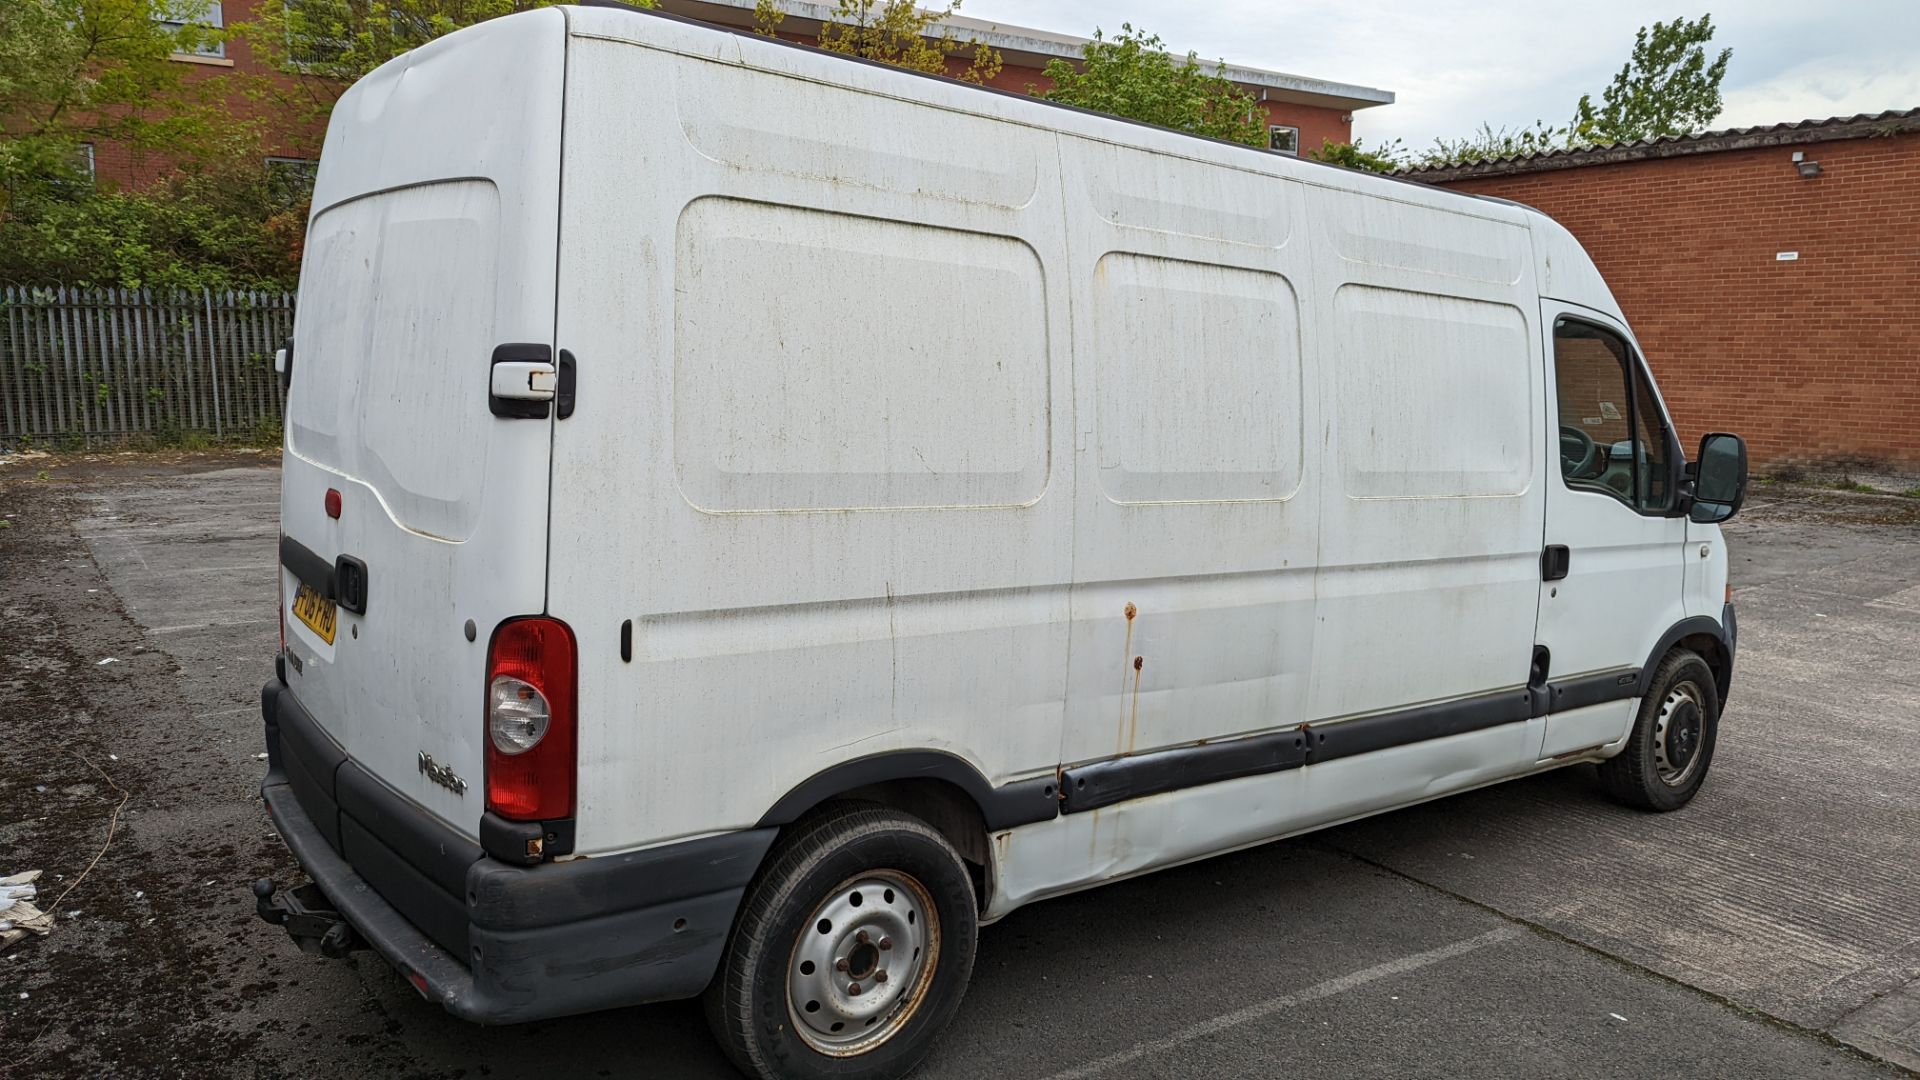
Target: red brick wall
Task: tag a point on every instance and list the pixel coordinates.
(239, 80)
(1815, 361)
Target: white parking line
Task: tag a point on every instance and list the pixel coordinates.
(210, 625)
(1270, 1006)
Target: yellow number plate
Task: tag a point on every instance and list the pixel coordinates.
(319, 613)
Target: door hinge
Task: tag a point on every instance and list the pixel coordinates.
(1554, 561)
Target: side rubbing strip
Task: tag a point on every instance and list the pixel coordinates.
(1345, 738)
(1103, 783)
(1595, 689)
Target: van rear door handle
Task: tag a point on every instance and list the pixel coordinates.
(522, 382)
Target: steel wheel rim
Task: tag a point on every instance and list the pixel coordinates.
(863, 962)
(1679, 735)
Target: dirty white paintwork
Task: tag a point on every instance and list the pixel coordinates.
(913, 417)
(431, 242)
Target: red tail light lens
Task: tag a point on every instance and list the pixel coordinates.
(531, 679)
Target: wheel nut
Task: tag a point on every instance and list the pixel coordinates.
(879, 976)
(840, 964)
(861, 937)
(886, 943)
(853, 989)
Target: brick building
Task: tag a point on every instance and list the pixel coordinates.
(1300, 112)
(290, 149)
(1771, 274)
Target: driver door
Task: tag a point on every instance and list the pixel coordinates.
(1619, 582)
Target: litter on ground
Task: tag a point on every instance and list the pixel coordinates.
(18, 915)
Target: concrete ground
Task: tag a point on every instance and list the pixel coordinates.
(1528, 930)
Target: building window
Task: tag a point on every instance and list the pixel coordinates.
(83, 161)
(197, 22)
(290, 180)
(317, 32)
(1283, 138)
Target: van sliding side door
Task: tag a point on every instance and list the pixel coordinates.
(1611, 566)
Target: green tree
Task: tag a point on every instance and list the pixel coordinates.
(331, 44)
(893, 32)
(74, 72)
(1668, 87)
(1132, 75)
(86, 71)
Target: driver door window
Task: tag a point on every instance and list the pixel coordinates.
(1613, 438)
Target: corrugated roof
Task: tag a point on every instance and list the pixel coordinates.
(1864, 125)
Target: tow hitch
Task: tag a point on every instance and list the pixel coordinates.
(308, 917)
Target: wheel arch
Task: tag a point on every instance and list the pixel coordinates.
(940, 788)
(1705, 636)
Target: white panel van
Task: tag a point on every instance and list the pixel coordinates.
(751, 518)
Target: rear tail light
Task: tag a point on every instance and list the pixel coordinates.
(531, 677)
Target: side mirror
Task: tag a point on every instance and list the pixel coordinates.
(1720, 478)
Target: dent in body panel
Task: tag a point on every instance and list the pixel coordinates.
(1077, 851)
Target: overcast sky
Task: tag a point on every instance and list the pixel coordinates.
(1511, 62)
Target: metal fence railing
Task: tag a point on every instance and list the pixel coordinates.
(83, 366)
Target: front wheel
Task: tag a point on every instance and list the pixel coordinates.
(1666, 757)
(851, 952)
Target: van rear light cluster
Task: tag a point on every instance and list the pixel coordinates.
(531, 680)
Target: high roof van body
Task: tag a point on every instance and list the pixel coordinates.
(751, 517)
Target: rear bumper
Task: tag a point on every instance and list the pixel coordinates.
(488, 941)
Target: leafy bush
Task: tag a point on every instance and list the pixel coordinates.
(1381, 159)
(207, 230)
(1132, 75)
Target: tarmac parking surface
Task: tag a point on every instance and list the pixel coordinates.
(1532, 929)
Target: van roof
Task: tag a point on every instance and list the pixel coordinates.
(950, 81)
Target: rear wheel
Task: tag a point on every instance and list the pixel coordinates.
(851, 952)
(1666, 758)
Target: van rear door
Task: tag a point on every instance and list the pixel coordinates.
(432, 245)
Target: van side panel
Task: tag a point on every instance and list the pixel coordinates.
(821, 454)
(1196, 474)
(1429, 570)
(1291, 423)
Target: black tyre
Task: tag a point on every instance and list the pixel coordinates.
(1667, 756)
(851, 952)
